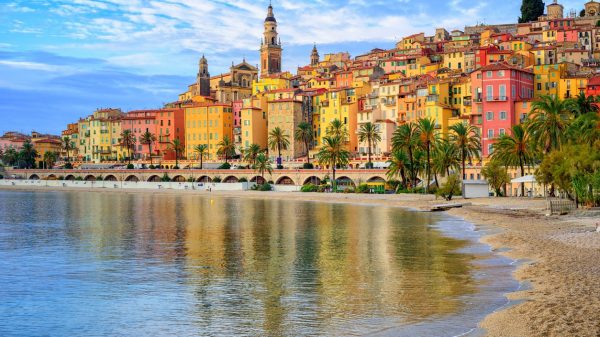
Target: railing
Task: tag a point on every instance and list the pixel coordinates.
(496, 98)
(560, 206)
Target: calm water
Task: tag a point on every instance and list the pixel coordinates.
(107, 264)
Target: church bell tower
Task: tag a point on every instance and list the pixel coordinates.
(203, 78)
(270, 49)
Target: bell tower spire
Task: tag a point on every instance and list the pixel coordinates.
(270, 49)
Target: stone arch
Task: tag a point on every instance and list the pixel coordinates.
(258, 179)
(111, 177)
(179, 179)
(154, 179)
(132, 178)
(50, 177)
(376, 179)
(90, 177)
(204, 179)
(70, 177)
(230, 179)
(34, 177)
(345, 181)
(312, 180)
(285, 180)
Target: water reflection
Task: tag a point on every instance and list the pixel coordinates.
(194, 265)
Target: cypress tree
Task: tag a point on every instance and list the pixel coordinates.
(531, 10)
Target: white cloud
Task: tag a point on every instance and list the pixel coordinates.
(30, 65)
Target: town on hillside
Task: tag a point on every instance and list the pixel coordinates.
(485, 77)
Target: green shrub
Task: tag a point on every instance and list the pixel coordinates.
(393, 184)
(309, 188)
(216, 179)
(224, 166)
(308, 166)
(77, 178)
(191, 180)
(165, 178)
(362, 188)
(99, 178)
(450, 188)
(349, 190)
(151, 167)
(63, 178)
(270, 182)
(369, 165)
(264, 187)
(130, 166)
(321, 188)
(243, 180)
(68, 166)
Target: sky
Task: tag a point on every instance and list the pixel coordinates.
(63, 59)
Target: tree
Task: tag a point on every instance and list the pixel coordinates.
(148, 138)
(278, 140)
(333, 153)
(304, 134)
(406, 137)
(445, 158)
(50, 158)
(450, 188)
(496, 176)
(582, 104)
(128, 142)
(468, 142)
(176, 147)
(10, 157)
(262, 165)
(28, 154)
(585, 129)
(226, 148)
(67, 145)
(582, 13)
(251, 153)
(548, 122)
(531, 10)
(515, 150)
(337, 128)
(398, 164)
(369, 133)
(201, 150)
(429, 138)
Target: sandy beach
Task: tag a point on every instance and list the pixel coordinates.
(560, 256)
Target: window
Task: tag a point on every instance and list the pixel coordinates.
(489, 74)
(502, 92)
(489, 92)
(501, 132)
(490, 148)
(503, 115)
(489, 116)
(500, 73)
(490, 133)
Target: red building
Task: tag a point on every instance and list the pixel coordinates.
(593, 87)
(496, 88)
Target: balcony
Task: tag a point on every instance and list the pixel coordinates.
(433, 98)
(324, 104)
(477, 99)
(496, 98)
(164, 139)
(467, 102)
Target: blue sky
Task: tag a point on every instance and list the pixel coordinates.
(62, 59)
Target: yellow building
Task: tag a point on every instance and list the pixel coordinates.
(341, 104)
(207, 124)
(100, 136)
(547, 77)
(253, 121)
(271, 82)
(570, 86)
(286, 114)
(437, 105)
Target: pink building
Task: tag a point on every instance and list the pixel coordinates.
(140, 122)
(170, 125)
(497, 88)
(567, 35)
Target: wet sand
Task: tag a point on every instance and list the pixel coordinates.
(561, 256)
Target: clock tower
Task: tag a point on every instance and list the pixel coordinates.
(270, 49)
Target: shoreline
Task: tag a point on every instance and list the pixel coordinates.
(562, 254)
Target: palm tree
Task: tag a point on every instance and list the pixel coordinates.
(128, 142)
(398, 164)
(467, 140)
(148, 138)
(226, 148)
(369, 133)
(263, 164)
(429, 138)
(279, 140)
(251, 153)
(201, 150)
(304, 134)
(583, 104)
(176, 147)
(585, 129)
(406, 137)
(67, 145)
(549, 120)
(337, 128)
(515, 150)
(333, 153)
(50, 158)
(28, 154)
(10, 157)
(445, 158)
